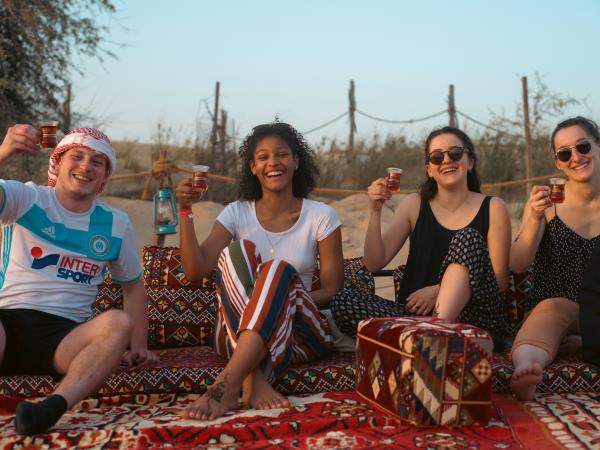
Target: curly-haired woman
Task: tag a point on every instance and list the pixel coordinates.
(264, 247)
(459, 244)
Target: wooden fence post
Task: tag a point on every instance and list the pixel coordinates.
(527, 132)
(223, 142)
(351, 110)
(215, 129)
(451, 107)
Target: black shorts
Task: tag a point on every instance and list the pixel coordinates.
(32, 338)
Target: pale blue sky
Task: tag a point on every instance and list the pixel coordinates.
(295, 59)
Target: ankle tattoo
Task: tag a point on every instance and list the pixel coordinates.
(217, 391)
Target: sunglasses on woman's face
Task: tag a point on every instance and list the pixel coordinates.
(564, 154)
(436, 157)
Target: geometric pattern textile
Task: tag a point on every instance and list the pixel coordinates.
(356, 276)
(180, 313)
(517, 300)
(181, 317)
(566, 374)
(340, 420)
(425, 370)
(192, 370)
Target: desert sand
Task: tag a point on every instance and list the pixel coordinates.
(353, 212)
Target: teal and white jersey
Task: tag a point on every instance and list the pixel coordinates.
(53, 259)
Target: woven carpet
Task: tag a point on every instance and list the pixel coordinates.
(338, 420)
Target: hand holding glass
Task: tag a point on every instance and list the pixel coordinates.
(48, 129)
(393, 179)
(200, 177)
(557, 190)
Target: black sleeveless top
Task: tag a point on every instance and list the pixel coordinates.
(560, 262)
(429, 243)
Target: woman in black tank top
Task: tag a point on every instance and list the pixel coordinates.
(457, 265)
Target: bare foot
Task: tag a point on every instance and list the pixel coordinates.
(525, 379)
(216, 401)
(259, 394)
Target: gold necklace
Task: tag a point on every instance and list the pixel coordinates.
(271, 244)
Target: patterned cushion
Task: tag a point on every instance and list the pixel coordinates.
(192, 369)
(180, 313)
(397, 275)
(565, 374)
(356, 276)
(425, 371)
(517, 301)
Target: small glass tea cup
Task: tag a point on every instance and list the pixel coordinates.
(393, 179)
(48, 130)
(200, 177)
(557, 190)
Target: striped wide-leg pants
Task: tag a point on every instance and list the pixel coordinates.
(269, 299)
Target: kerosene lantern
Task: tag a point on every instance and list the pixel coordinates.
(165, 212)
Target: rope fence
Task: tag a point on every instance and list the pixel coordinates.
(165, 168)
(412, 121)
(406, 121)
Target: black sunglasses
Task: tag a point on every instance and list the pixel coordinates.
(436, 157)
(564, 154)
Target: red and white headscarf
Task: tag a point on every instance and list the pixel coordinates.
(83, 137)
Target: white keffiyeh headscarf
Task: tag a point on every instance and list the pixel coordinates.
(83, 137)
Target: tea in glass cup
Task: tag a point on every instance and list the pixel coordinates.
(200, 177)
(48, 129)
(393, 179)
(557, 190)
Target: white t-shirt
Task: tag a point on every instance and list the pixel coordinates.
(297, 245)
(53, 259)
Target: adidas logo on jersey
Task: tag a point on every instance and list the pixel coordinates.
(49, 231)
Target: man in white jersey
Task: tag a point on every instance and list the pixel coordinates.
(56, 242)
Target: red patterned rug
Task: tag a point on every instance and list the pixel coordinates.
(339, 420)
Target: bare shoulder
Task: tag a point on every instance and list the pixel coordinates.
(411, 201)
(498, 209)
(497, 204)
(408, 208)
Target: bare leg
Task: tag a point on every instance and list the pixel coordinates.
(454, 293)
(259, 394)
(223, 396)
(90, 353)
(529, 361)
(87, 355)
(538, 340)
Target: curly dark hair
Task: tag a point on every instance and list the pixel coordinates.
(305, 177)
(429, 187)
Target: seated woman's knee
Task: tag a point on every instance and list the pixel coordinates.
(555, 306)
(468, 235)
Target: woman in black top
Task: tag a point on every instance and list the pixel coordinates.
(457, 265)
(556, 243)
